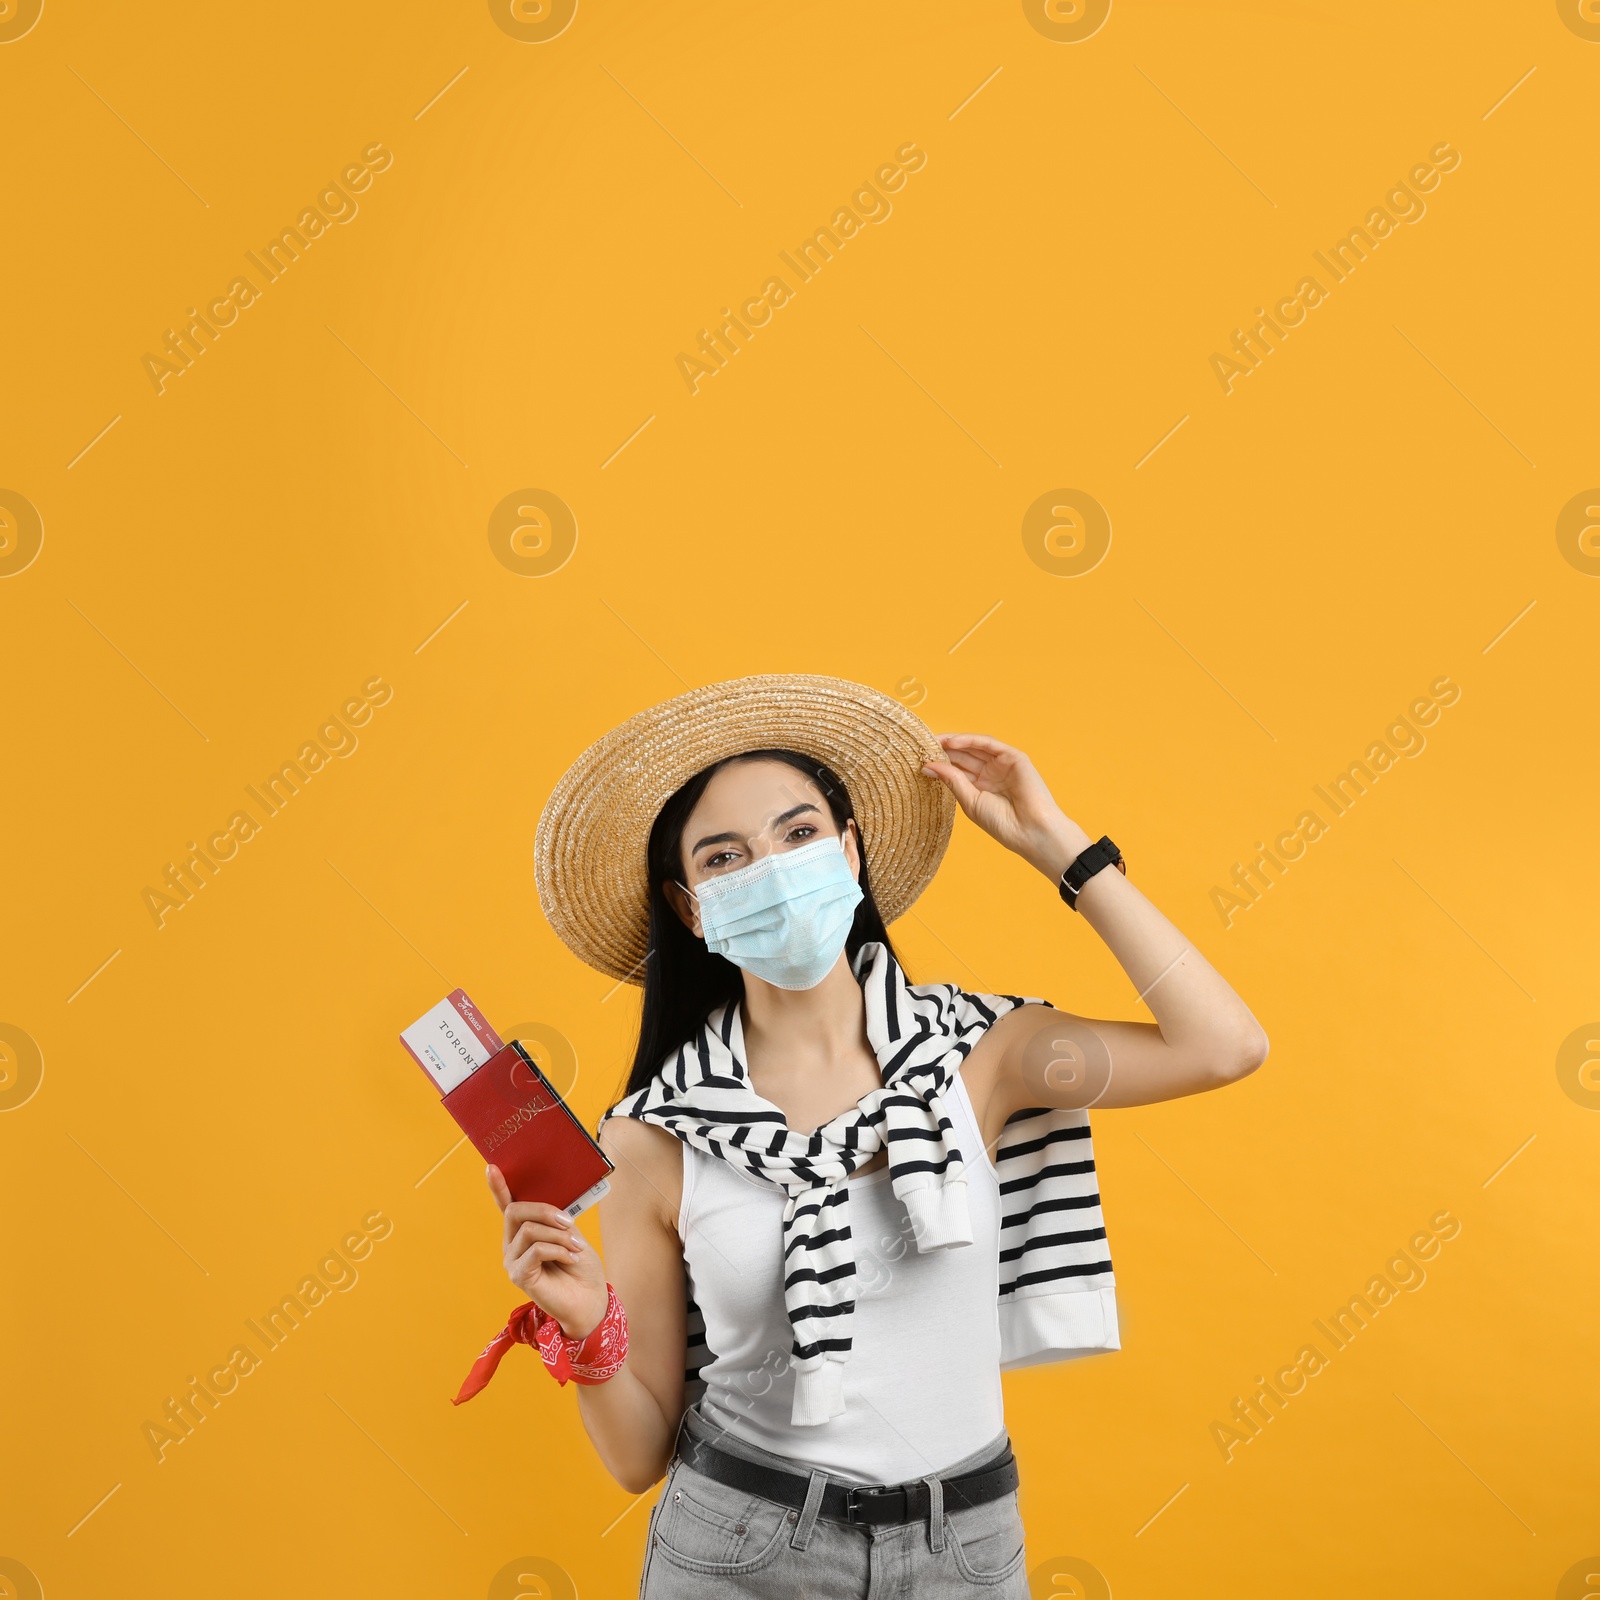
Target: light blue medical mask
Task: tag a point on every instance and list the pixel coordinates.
(784, 918)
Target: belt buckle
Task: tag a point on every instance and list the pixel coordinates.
(876, 1495)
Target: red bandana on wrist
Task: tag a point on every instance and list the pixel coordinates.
(592, 1359)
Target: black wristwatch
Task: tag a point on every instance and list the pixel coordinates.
(1102, 853)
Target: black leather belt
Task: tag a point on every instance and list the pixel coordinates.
(875, 1505)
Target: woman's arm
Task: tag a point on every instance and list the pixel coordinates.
(1204, 1035)
(632, 1418)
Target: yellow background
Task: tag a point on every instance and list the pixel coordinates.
(305, 506)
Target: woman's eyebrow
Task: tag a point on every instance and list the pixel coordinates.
(792, 812)
(734, 838)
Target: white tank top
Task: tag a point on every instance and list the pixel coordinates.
(922, 1382)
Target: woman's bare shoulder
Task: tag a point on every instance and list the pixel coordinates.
(648, 1164)
(990, 1070)
(989, 1055)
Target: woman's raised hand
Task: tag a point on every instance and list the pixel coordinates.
(1000, 789)
(550, 1261)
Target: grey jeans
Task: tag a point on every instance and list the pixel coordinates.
(708, 1539)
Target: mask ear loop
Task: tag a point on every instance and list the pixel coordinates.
(693, 896)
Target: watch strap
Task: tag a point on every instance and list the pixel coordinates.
(1102, 853)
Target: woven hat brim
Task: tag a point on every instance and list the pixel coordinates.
(589, 850)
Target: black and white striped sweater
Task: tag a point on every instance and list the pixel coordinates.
(1056, 1298)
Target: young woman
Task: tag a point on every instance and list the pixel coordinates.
(822, 1270)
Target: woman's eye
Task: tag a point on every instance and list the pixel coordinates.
(802, 830)
(720, 859)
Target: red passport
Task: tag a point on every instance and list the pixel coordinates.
(507, 1107)
(515, 1119)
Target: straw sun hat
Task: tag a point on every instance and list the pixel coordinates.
(589, 849)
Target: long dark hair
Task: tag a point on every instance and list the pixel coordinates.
(683, 981)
